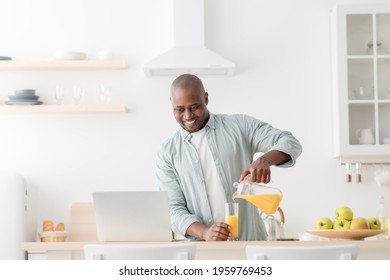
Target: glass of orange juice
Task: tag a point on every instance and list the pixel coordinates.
(231, 218)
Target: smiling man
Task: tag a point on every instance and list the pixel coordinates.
(198, 165)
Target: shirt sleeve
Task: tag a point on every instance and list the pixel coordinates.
(265, 138)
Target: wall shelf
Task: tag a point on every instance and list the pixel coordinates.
(63, 109)
(7, 65)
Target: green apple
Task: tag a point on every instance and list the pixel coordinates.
(374, 223)
(359, 223)
(324, 223)
(344, 213)
(341, 224)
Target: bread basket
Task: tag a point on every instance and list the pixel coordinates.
(53, 236)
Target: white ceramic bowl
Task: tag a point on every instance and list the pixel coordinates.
(65, 55)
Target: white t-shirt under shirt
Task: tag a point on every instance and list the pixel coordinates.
(214, 188)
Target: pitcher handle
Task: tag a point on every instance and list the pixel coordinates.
(281, 213)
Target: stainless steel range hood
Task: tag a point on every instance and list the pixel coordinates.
(189, 54)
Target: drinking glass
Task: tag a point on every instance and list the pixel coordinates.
(78, 93)
(105, 94)
(59, 94)
(231, 218)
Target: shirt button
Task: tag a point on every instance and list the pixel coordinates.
(201, 180)
(196, 161)
(209, 221)
(205, 201)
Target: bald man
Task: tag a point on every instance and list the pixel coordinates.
(198, 165)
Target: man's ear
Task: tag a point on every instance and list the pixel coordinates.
(206, 96)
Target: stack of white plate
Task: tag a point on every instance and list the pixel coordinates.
(24, 97)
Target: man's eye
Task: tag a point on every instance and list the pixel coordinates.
(179, 110)
(193, 108)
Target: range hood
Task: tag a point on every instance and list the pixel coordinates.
(189, 54)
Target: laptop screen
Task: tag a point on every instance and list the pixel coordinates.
(132, 216)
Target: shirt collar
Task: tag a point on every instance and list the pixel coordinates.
(186, 136)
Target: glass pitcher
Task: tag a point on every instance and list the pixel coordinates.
(265, 198)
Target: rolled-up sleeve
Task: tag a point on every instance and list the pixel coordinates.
(266, 138)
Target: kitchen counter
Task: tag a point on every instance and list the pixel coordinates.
(368, 249)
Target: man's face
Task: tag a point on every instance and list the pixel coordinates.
(190, 108)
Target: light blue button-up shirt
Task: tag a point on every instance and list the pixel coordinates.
(233, 141)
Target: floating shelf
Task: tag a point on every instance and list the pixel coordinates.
(60, 109)
(63, 65)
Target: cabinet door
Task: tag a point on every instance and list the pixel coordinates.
(361, 62)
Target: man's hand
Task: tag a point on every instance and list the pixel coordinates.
(217, 232)
(260, 169)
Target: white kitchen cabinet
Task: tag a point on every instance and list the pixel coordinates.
(361, 82)
(62, 65)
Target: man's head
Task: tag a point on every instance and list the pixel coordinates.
(189, 102)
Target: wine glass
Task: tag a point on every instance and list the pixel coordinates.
(59, 94)
(78, 93)
(105, 94)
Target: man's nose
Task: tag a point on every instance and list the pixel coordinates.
(187, 114)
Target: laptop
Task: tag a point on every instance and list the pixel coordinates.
(132, 216)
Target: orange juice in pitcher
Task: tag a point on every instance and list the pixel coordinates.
(267, 203)
(265, 198)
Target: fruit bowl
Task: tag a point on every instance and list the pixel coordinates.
(354, 234)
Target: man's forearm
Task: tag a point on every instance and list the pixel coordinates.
(274, 157)
(197, 229)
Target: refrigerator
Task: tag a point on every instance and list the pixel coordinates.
(18, 215)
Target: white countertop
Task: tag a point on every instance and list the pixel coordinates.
(368, 249)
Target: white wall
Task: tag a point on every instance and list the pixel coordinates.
(282, 53)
